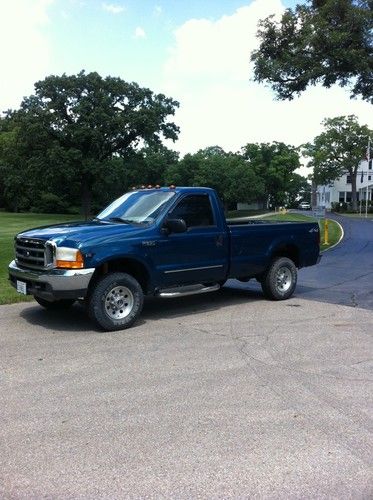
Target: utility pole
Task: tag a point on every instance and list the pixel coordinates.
(367, 190)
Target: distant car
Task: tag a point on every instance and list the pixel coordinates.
(304, 205)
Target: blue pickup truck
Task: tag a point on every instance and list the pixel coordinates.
(166, 242)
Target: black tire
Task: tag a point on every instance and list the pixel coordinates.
(115, 302)
(280, 280)
(56, 304)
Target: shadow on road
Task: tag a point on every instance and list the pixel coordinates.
(75, 319)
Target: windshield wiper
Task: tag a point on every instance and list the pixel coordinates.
(131, 221)
(118, 219)
(123, 221)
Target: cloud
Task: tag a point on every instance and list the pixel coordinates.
(158, 10)
(139, 32)
(113, 8)
(25, 54)
(208, 70)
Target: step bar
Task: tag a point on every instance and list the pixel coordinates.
(183, 291)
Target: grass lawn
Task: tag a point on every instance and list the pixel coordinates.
(236, 214)
(10, 225)
(333, 228)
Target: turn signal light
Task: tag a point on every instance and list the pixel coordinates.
(74, 261)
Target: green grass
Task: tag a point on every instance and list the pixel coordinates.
(334, 229)
(235, 214)
(10, 225)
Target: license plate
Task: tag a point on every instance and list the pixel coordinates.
(21, 287)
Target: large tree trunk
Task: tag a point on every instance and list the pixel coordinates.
(86, 196)
(353, 191)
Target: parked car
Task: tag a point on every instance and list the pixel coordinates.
(304, 205)
(167, 242)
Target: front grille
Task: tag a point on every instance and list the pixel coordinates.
(33, 253)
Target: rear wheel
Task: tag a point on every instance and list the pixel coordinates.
(280, 280)
(116, 301)
(56, 304)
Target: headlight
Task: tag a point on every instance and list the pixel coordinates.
(69, 258)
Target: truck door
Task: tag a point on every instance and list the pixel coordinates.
(199, 255)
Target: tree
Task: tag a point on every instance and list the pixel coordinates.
(74, 125)
(324, 41)
(339, 150)
(275, 164)
(227, 173)
(145, 166)
(149, 165)
(299, 189)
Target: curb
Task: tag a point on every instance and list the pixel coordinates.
(340, 239)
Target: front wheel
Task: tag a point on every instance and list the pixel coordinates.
(116, 301)
(280, 280)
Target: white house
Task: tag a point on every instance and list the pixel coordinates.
(339, 190)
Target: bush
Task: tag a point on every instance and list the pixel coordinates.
(49, 203)
(342, 207)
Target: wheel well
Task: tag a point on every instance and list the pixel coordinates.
(127, 265)
(289, 251)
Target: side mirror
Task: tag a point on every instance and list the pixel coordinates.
(175, 225)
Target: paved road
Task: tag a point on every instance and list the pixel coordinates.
(345, 274)
(222, 395)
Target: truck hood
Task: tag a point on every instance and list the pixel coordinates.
(74, 234)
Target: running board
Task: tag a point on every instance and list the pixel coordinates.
(183, 291)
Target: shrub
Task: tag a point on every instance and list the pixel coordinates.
(50, 203)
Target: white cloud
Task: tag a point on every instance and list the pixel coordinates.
(25, 51)
(113, 8)
(139, 32)
(158, 10)
(208, 70)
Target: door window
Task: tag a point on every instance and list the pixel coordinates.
(196, 210)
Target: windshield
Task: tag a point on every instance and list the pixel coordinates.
(141, 207)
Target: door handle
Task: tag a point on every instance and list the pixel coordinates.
(219, 240)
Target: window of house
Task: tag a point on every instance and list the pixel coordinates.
(341, 196)
(369, 177)
(348, 196)
(348, 179)
(196, 210)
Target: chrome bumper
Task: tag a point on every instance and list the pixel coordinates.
(52, 283)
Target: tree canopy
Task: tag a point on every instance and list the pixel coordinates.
(321, 41)
(85, 140)
(275, 164)
(258, 173)
(73, 125)
(339, 150)
(212, 167)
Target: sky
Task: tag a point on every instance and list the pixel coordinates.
(197, 52)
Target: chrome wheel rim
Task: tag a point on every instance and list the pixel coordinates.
(118, 302)
(284, 279)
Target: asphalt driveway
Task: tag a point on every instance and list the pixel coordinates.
(212, 396)
(221, 395)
